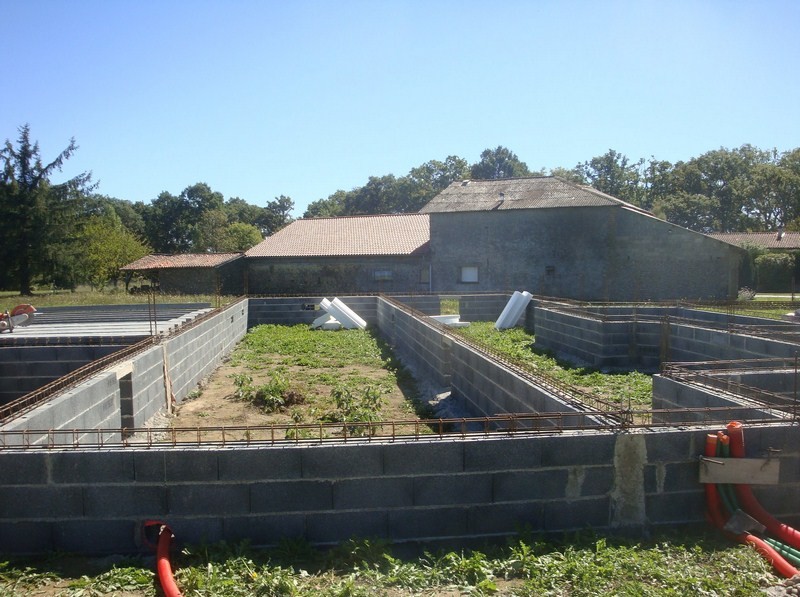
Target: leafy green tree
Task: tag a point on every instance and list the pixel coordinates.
(327, 208)
(276, 215)
(241, 237)
(775, 271)
(129, 214)
(721, 175)
(427, 180)
(499, 163)
(208, 234)
(170, 221)
(380, 195)
(614, 174)
(770, 196)
(168, 224)
(107, 246)
(574, 175)
(39, 218)
(692, 211)
(658, 182)
(200, 198)
(239, 210)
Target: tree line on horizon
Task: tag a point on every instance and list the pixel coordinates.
(62, 235)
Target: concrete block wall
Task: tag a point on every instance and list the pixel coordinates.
(429, 304)
(296, 310)
(636, 343)
(93, 404)
(673, 394)
(579, 339)
(96, 501)
(25, 368)
(488, 388)
(692, 343)
(482, 307)
(419, 345)
(483, 386)
(147, 381)
(195, 353)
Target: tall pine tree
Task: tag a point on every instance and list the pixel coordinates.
(38, 219)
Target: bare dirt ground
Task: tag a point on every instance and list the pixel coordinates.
(215, 404)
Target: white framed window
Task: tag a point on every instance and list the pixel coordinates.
(469, 274)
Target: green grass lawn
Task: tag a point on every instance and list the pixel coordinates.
(85, 297)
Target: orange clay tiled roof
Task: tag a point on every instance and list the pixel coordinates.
(766, 240)
(188, 260)
(400, 234)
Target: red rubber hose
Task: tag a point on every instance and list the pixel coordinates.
(714, 504)
(163, 567)
(748, 501)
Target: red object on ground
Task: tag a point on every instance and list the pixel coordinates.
(163, 567)
(749, 503)
(713, 504)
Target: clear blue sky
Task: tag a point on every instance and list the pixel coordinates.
(301, 98)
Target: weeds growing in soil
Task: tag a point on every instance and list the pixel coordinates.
(584, 564)
(632, 388)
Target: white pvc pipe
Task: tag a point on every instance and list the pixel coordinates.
(513, 311)
(360, 323)
(500, 323)
(347, 320)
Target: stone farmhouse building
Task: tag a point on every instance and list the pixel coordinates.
(555, 238)
(196, 273)
(387, 253)
(542, 234)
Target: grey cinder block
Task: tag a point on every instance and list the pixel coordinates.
(530, 485)
(565, 515)
(505, 518)
(41, 501)
(120, 501)
(567, 450)
(452, 489)
(291, 496)
(379, 492)
(92, 467)
(340, 526)
(263, 529)
(191, 465)
(258, 464)
(423, 458)
(421, 523)
(338, 461)
(503, 454)
(208, 500)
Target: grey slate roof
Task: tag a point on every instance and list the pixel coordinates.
(767, 240)
(519, 193)
(400, 234)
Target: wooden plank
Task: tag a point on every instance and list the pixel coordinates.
(749, 471)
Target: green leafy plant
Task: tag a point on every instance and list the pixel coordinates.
(631, 388)
(351, 407)
(244, 387)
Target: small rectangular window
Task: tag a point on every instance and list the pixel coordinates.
(382, 275)
(469, 274)
(425, 275)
